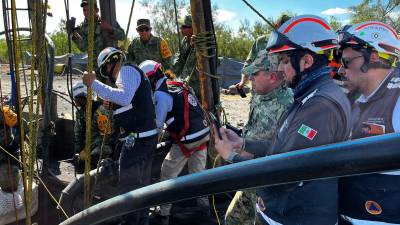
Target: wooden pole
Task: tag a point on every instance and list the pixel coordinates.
(203, 64)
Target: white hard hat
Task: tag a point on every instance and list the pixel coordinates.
(374, 34)
(79, 89)
(109, 55)
(149, 67)
(303, 32)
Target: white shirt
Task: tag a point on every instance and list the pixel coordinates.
(127, 83)
(163, 104)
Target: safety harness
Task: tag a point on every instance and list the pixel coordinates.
(176, 137)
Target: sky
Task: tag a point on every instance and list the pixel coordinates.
(230, 12)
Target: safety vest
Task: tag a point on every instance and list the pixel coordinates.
(139, 116)
(186, 121)
(376, 197)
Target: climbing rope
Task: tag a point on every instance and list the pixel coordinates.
(127, 28)
(25, 170)
(259, 14)
(203, 42)
(33, 125)
(89, 108)
(177, 26)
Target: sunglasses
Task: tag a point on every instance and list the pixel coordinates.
(143, 30)
(346, 61)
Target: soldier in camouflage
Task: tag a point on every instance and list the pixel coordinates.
(185, 64)
(9, 169)
(101, 139)
(149, 47)
(102, 31)
(272, 101)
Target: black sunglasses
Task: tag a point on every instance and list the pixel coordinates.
(143, 29)
(346, 61)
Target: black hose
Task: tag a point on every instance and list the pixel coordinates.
(334, 160)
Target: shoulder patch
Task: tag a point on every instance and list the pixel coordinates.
(309, 96)
(307, 132)
(394, 83)
(164, 49)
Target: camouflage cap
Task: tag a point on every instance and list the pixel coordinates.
(186, 21)
(143, 23)
(86, 2)
(263, 61)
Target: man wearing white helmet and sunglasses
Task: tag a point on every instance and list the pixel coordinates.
(370, 51)
(133, 120)
(319, 115)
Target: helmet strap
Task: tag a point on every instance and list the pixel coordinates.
(295, 57)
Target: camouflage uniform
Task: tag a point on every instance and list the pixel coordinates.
(99, 39)
(155, 48)
(185, 64)
(101, 125)
(8, 179)
(265, 112)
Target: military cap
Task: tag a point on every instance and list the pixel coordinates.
(263, 61)
(143, 23)
(186, 21)
(86, 2)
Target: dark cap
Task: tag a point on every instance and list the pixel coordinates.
(187, 21)
(86, 2)
(143, 23)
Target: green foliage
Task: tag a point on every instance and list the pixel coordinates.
(60, 40)
(163, 15)
(230, 45)
(335, 23)
(3, 51)
(384, 11)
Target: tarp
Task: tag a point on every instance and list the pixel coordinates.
(230, 71)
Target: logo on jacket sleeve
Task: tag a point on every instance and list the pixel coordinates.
(307, 132)
(373, 208)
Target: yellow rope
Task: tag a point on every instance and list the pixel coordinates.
(89, 107)
(27, 191)
(32, 133)
(40, 180)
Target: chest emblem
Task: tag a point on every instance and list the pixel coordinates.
(307, 132)
(373, 208)
(372, 128)
(192, 100)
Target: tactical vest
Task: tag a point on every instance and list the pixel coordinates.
(304, 200)
(149, 51)
(186, 113)
(374, 197)
(139, 116)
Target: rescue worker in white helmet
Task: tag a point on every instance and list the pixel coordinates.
(370, 51)
(178, 108)
(319, 115)
(101, 138)
(133, 121)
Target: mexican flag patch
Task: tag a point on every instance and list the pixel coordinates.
(307, 132)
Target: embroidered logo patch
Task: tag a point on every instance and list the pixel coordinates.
(307, 132)
(373, 208)
(192, 100)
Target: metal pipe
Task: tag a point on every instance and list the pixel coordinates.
(362, 156)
